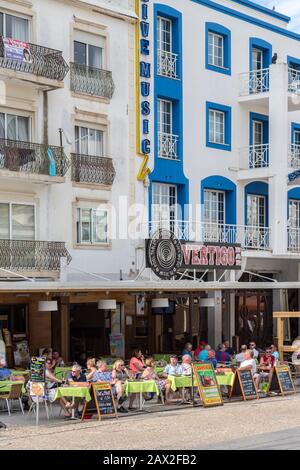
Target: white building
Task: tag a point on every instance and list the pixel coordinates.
(225, 144)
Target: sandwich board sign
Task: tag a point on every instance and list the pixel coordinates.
(207, 384)
(102, 402)
(243, 385)
(281, 380)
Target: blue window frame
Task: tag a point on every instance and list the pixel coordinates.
(222, 184)
(259, 140)
(217, 48)
(218, 126)
(295, 133)
(293, 63)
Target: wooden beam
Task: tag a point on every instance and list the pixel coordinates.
(286, 314)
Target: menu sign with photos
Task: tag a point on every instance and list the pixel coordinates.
(243, 385)
(37, 369)
(207, 384)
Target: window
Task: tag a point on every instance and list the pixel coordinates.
(14, 27)
(92, 226)
(214, 207)
(257, 59)
(164, 34)
(215, 50)
(165, 116)
(294, 214)
(17, 221)
(89, 141)
(256, 210)
(164, 205)
(14, 127)
(218, 126)
(88, 54)
(218, 48)
(297, 137)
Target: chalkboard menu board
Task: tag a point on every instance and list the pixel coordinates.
(37, 369)
(281, 380)
(102, 401)
(207, 384)
(243, 385)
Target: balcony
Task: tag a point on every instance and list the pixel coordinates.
(294, 156)
(91, 81)
(294, 81)
(254, 156)
(255, 82)
(46, 67)
(250, 238)
(92, 170)
(27, 255)
(167, 64)
(293, 239)
(38, 161)
(168, 146)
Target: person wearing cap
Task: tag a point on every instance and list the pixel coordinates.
(240, 357)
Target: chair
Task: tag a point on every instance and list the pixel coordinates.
(15, 393)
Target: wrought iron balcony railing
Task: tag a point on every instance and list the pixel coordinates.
(44, 62)
(293, 239)
(255, 82)
(90, 169)
(91, 80)
(255, 156)
(250, 237)
(168, 146)
(27, 255)
(294, 81)
(28, 157)
(167, 64)
(294, 156)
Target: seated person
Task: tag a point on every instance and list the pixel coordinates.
(275, 353)
(249, 363)
(150, 374)
(203, 355)
(188, 350)
(102, 374)
(222, 355)
(186, 365)
(212, 358)
(76, 375)
(267, 362)
(5, 373)
(119, 376)
(57, 359)
(136, 364)
(240, 357)
(171, 369)
(228, 348)
(91, 369)
(52, 383)
(200, 348)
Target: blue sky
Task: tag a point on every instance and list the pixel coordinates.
(288, 7)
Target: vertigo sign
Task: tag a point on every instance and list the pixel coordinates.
(167, 256)
(143, 86)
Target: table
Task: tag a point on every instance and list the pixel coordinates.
(182, 381)
(20, 372)
(5, 385)
(225, 379)
(73, 392)
(141, 386)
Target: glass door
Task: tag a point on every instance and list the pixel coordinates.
(214, 215)
(294, 224)
(256, 221)
(257, 68)
(164, 206)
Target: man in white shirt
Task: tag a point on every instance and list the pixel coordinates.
(240, 357)
(249, 363)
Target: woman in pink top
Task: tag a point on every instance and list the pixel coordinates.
(136, 364)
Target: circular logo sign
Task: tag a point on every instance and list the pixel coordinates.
(164, 254)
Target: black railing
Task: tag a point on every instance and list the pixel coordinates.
(89, 169)
(27, 255)
(91, 80)
(29, 157)
(45, 62)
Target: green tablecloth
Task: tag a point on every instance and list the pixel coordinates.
(226, 379)
(5, 385)
(146, 386)
(20, 372)
(180, 381)
(61, 372)
(78, 392)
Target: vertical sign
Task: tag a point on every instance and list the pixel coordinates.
(143, 73)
